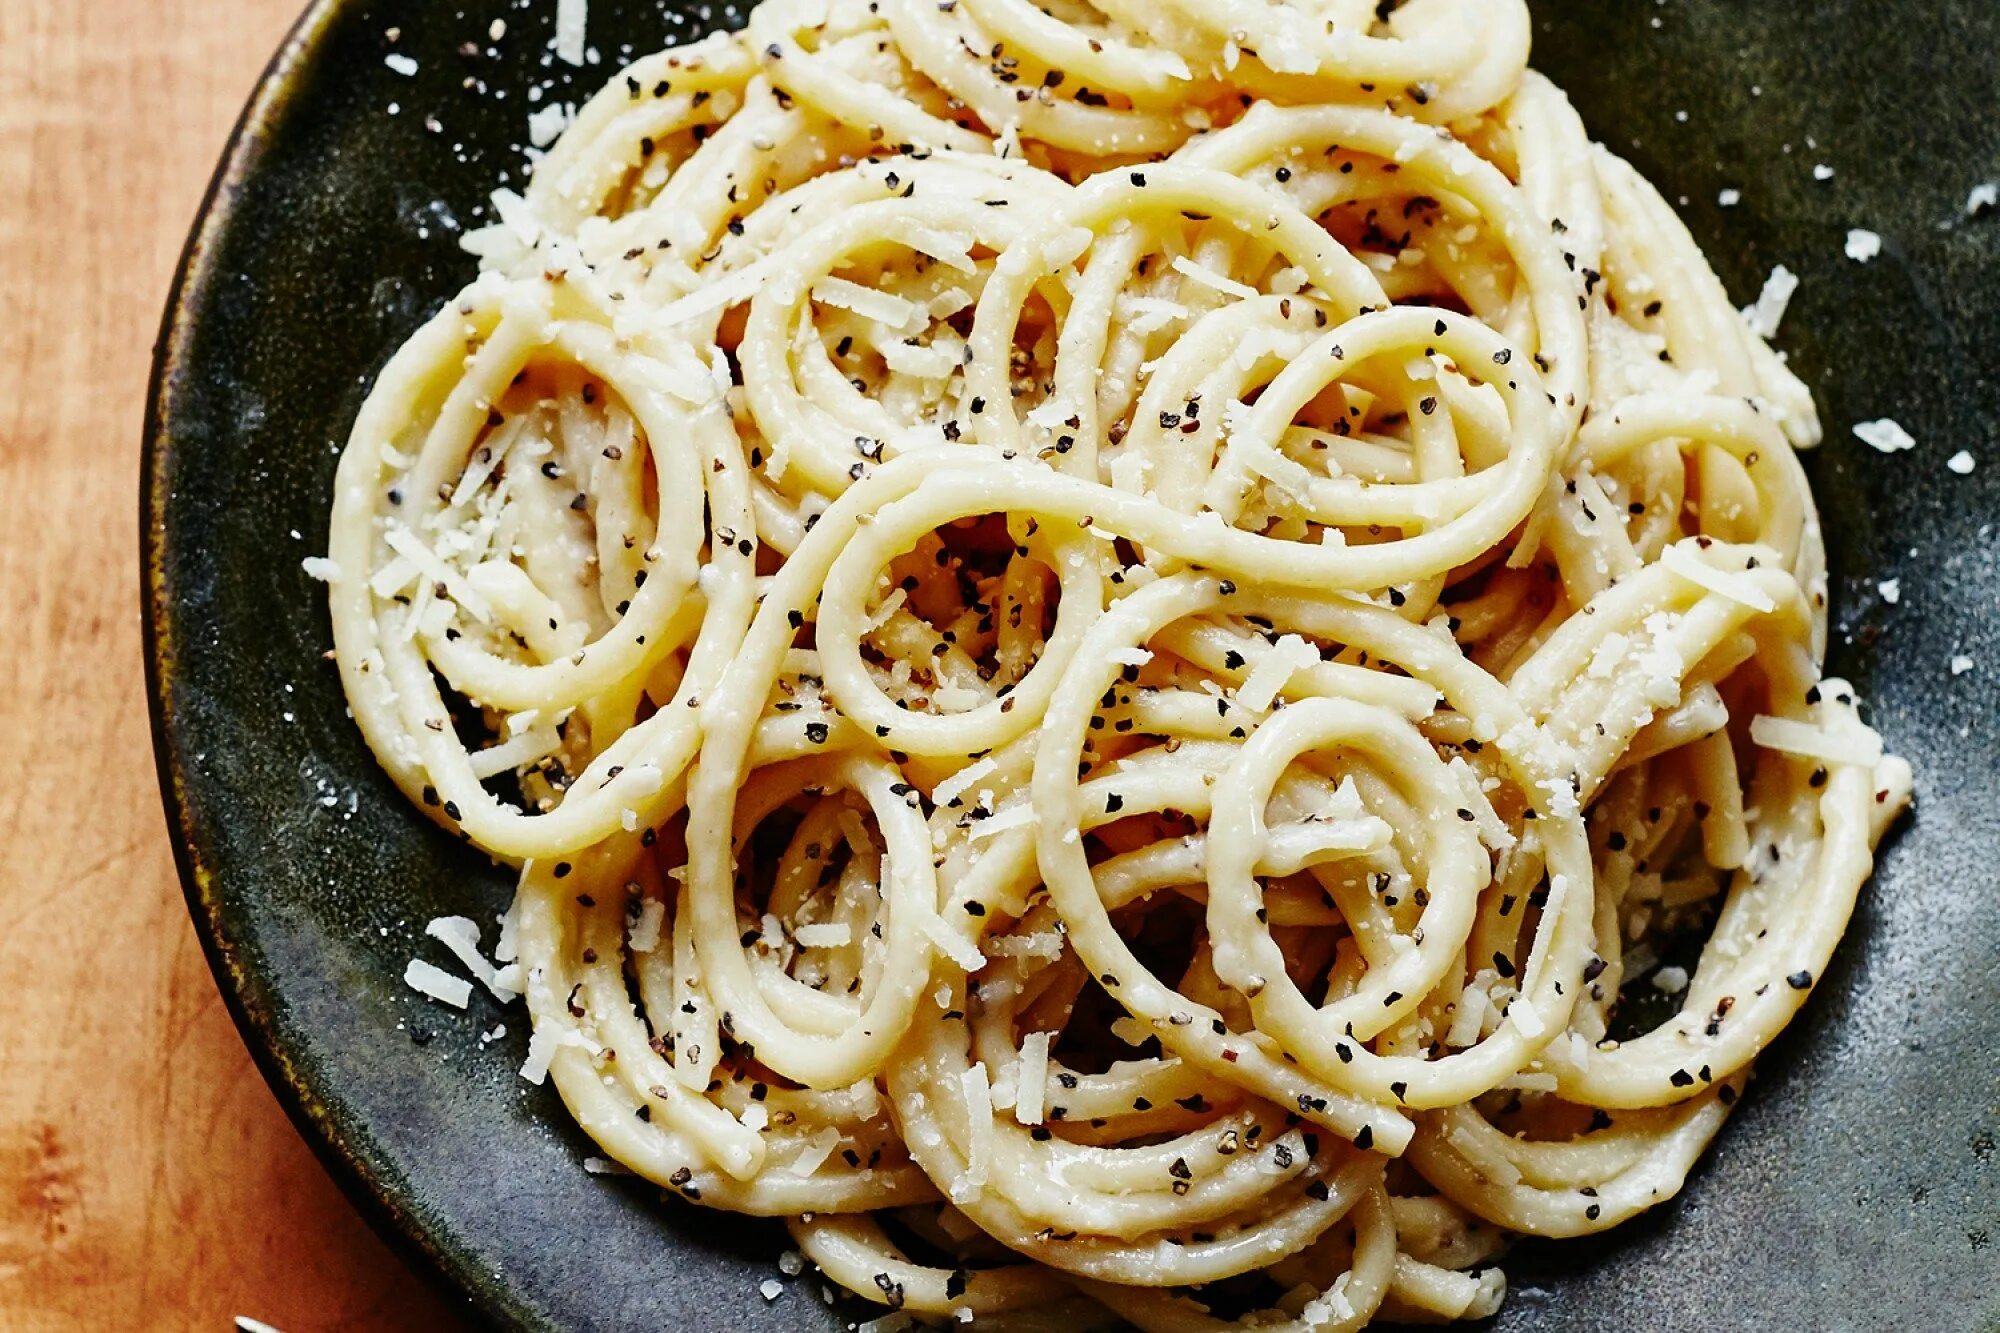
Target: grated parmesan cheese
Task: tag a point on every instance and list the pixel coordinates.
(1150, 314)
(1528, 1019)
(1274, 670)
(546, 125)
(646, 930)
(460, 934)
(884, 308)
(572, 20)
(1769, 311)
(411, 547)
(440, 985)
(1862, 245)
(978, 1094)
(542, 1044)
(1883, 435)
(1208, 277)
(1792, 736)
(1031, 1090)
(321, 568)
(1961, 462)
(1736, 587)
(817, 1149)
(826, 935)
(952, 944)
(1020, 815)
(952, 788)
(528, 745)
(934, 362)
(1469, 1015)
(951, 248)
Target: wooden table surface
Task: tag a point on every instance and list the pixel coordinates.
(148, 1179)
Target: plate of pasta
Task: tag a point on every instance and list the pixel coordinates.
(1193, 665)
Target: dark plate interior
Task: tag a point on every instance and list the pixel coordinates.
(1858, 1188)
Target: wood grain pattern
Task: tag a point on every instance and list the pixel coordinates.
(147, 1177)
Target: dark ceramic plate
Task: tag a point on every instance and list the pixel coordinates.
(1859, 1186)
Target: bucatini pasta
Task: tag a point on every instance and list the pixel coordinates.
(1101, 631)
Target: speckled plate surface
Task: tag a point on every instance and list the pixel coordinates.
(1859, 1186)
